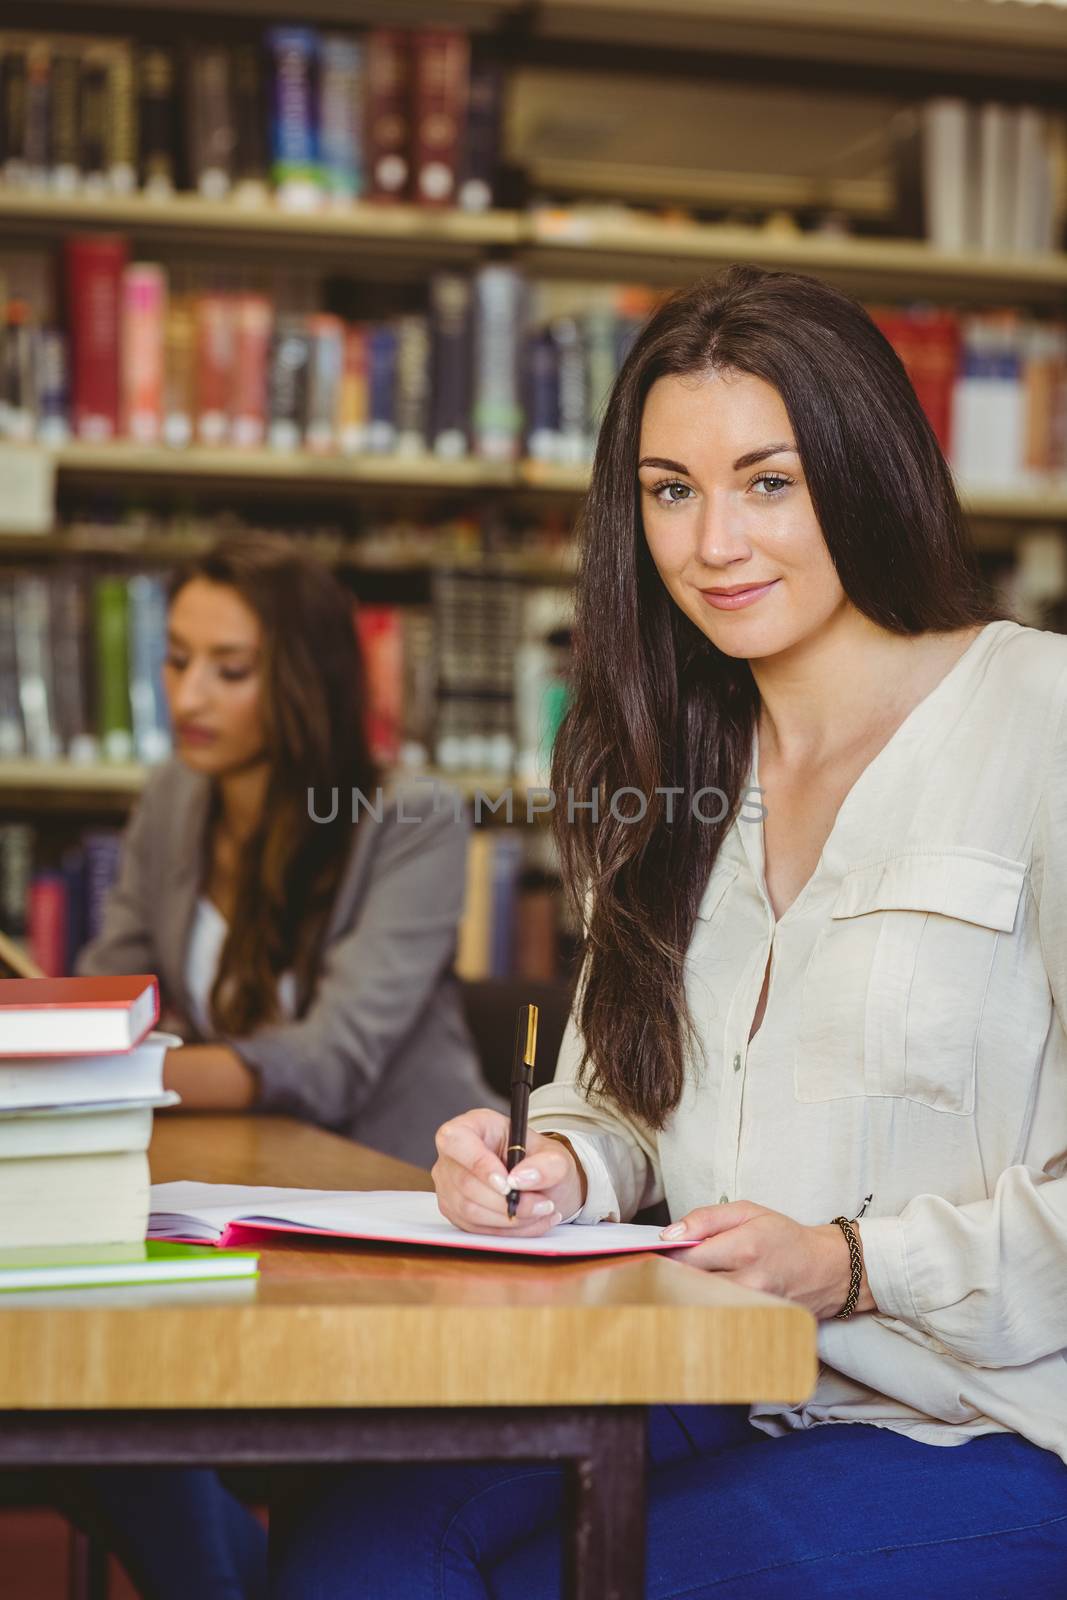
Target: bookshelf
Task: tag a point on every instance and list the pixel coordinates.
(550, 242)
(570, 222)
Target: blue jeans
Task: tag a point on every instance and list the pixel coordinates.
(838, 1510)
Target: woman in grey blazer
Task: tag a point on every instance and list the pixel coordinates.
(299, 908)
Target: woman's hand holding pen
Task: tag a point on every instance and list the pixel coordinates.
(763, 1249)
(472, 1181)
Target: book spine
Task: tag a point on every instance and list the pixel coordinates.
(72, 871)
(573, 390)
(53, 387)
(481, 141)
(287, 383)
(112, 668)
(388, 114)
(33, 651)
(122, 121)
(252, 318)
(341, 117)
(48, 923)
(157, 121)
(66, 153)
(103, 856)
(440, 78)
(326, 354)
(295, 161)
(412, 403)
(209, 121)
(450, 312)
(16, 872)
(496, 407)
(94, 267)
(382, 363)
(179, 372)
(144, 305)
(18, 372)
(541, 386)
(214, 367)
(70, 666)
(354, 408)
(147, 611)
(38, 113)
(12, 739)
(380, 636)
(94, 93)
(250, 159)
(13, 101)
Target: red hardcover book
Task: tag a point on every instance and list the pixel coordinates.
(388, 114)
(75, 1016)
(380, 638)
(94, 268)
(48, 928)
(441, 72)
(252, 318)
(214, 367)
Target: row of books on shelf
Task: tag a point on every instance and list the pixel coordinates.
(472, 680)
(494, 366)
(314, 118)
(989, 173)
(52, 897)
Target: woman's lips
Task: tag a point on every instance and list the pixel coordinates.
(734, 602)
(197, 736)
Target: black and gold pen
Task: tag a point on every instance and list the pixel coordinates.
(522, 1077)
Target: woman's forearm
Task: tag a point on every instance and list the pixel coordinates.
(210, 1077)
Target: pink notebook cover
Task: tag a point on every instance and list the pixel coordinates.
(241, 1234)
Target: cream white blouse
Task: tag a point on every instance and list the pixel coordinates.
(913, 1048)
(206, 939)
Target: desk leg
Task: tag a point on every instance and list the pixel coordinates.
(606, 1551)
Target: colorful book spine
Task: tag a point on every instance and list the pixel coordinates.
(94, 110)
(294, 135)
(412, 399)
(381, 360)
(481, 141)
(38, 97)
(250, 158)
(252, 322)
(354, 408)
(380, 633)
(33, 651)
(157, 121)
(53, 387)
(440, 74)
(179, 372)
(16, 873)
(214, 367)
(144, 309)
(388, 56)
(326, 356)
(450, 402)
(341, 117)
(94, 268)
(122, 120)
(13, 72)
(65, 152)
(112, 668)
(209, 121)
(147, 614)
(71, 666)
(496, 403)
(287, 383)
(48, 923)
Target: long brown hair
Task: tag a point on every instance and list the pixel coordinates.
(313, 709)
(655, 705)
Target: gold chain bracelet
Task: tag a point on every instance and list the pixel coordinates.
(856, 1260)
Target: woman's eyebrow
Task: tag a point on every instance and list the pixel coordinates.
(176, 640)
(661, 461)
(752, 456)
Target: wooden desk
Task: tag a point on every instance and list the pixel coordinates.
(374, 1352)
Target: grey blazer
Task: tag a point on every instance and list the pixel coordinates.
(382, 1051)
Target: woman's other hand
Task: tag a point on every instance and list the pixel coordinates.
(472, 1181)
(763, 1249)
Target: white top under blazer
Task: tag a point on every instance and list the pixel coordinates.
(914, 1048)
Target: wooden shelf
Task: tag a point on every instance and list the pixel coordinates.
(126, 460)
(71, 783)
(547, 241)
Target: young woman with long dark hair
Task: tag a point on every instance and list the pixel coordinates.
(303, 944)
(825, 975)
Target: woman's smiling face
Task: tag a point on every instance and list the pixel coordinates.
(724, 505)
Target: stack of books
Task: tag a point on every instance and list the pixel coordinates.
(81, 1072)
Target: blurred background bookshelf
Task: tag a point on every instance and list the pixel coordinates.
(367, 275)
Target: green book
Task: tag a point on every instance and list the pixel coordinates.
(155, 1261)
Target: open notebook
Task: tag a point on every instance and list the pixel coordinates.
(222, 1213)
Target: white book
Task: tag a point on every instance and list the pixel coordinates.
(135, 1074)
(80, 1199)
(93, 1129)
(223, 1213)
(998, 173)
(1030, 178)
(950, 170)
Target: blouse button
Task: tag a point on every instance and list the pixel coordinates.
(724, 1199)
(737, 1062)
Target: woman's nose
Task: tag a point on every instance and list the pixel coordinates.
(720, 535)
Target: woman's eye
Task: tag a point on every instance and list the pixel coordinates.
(174, 662)
(664, 493)
(775, 482)
(234, 674)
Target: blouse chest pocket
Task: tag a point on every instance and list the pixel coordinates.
(895, 988)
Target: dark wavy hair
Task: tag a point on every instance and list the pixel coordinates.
(655, 705)
(313, 709)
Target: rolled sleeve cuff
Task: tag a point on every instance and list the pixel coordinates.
(885, 1256)
(601, 1202)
